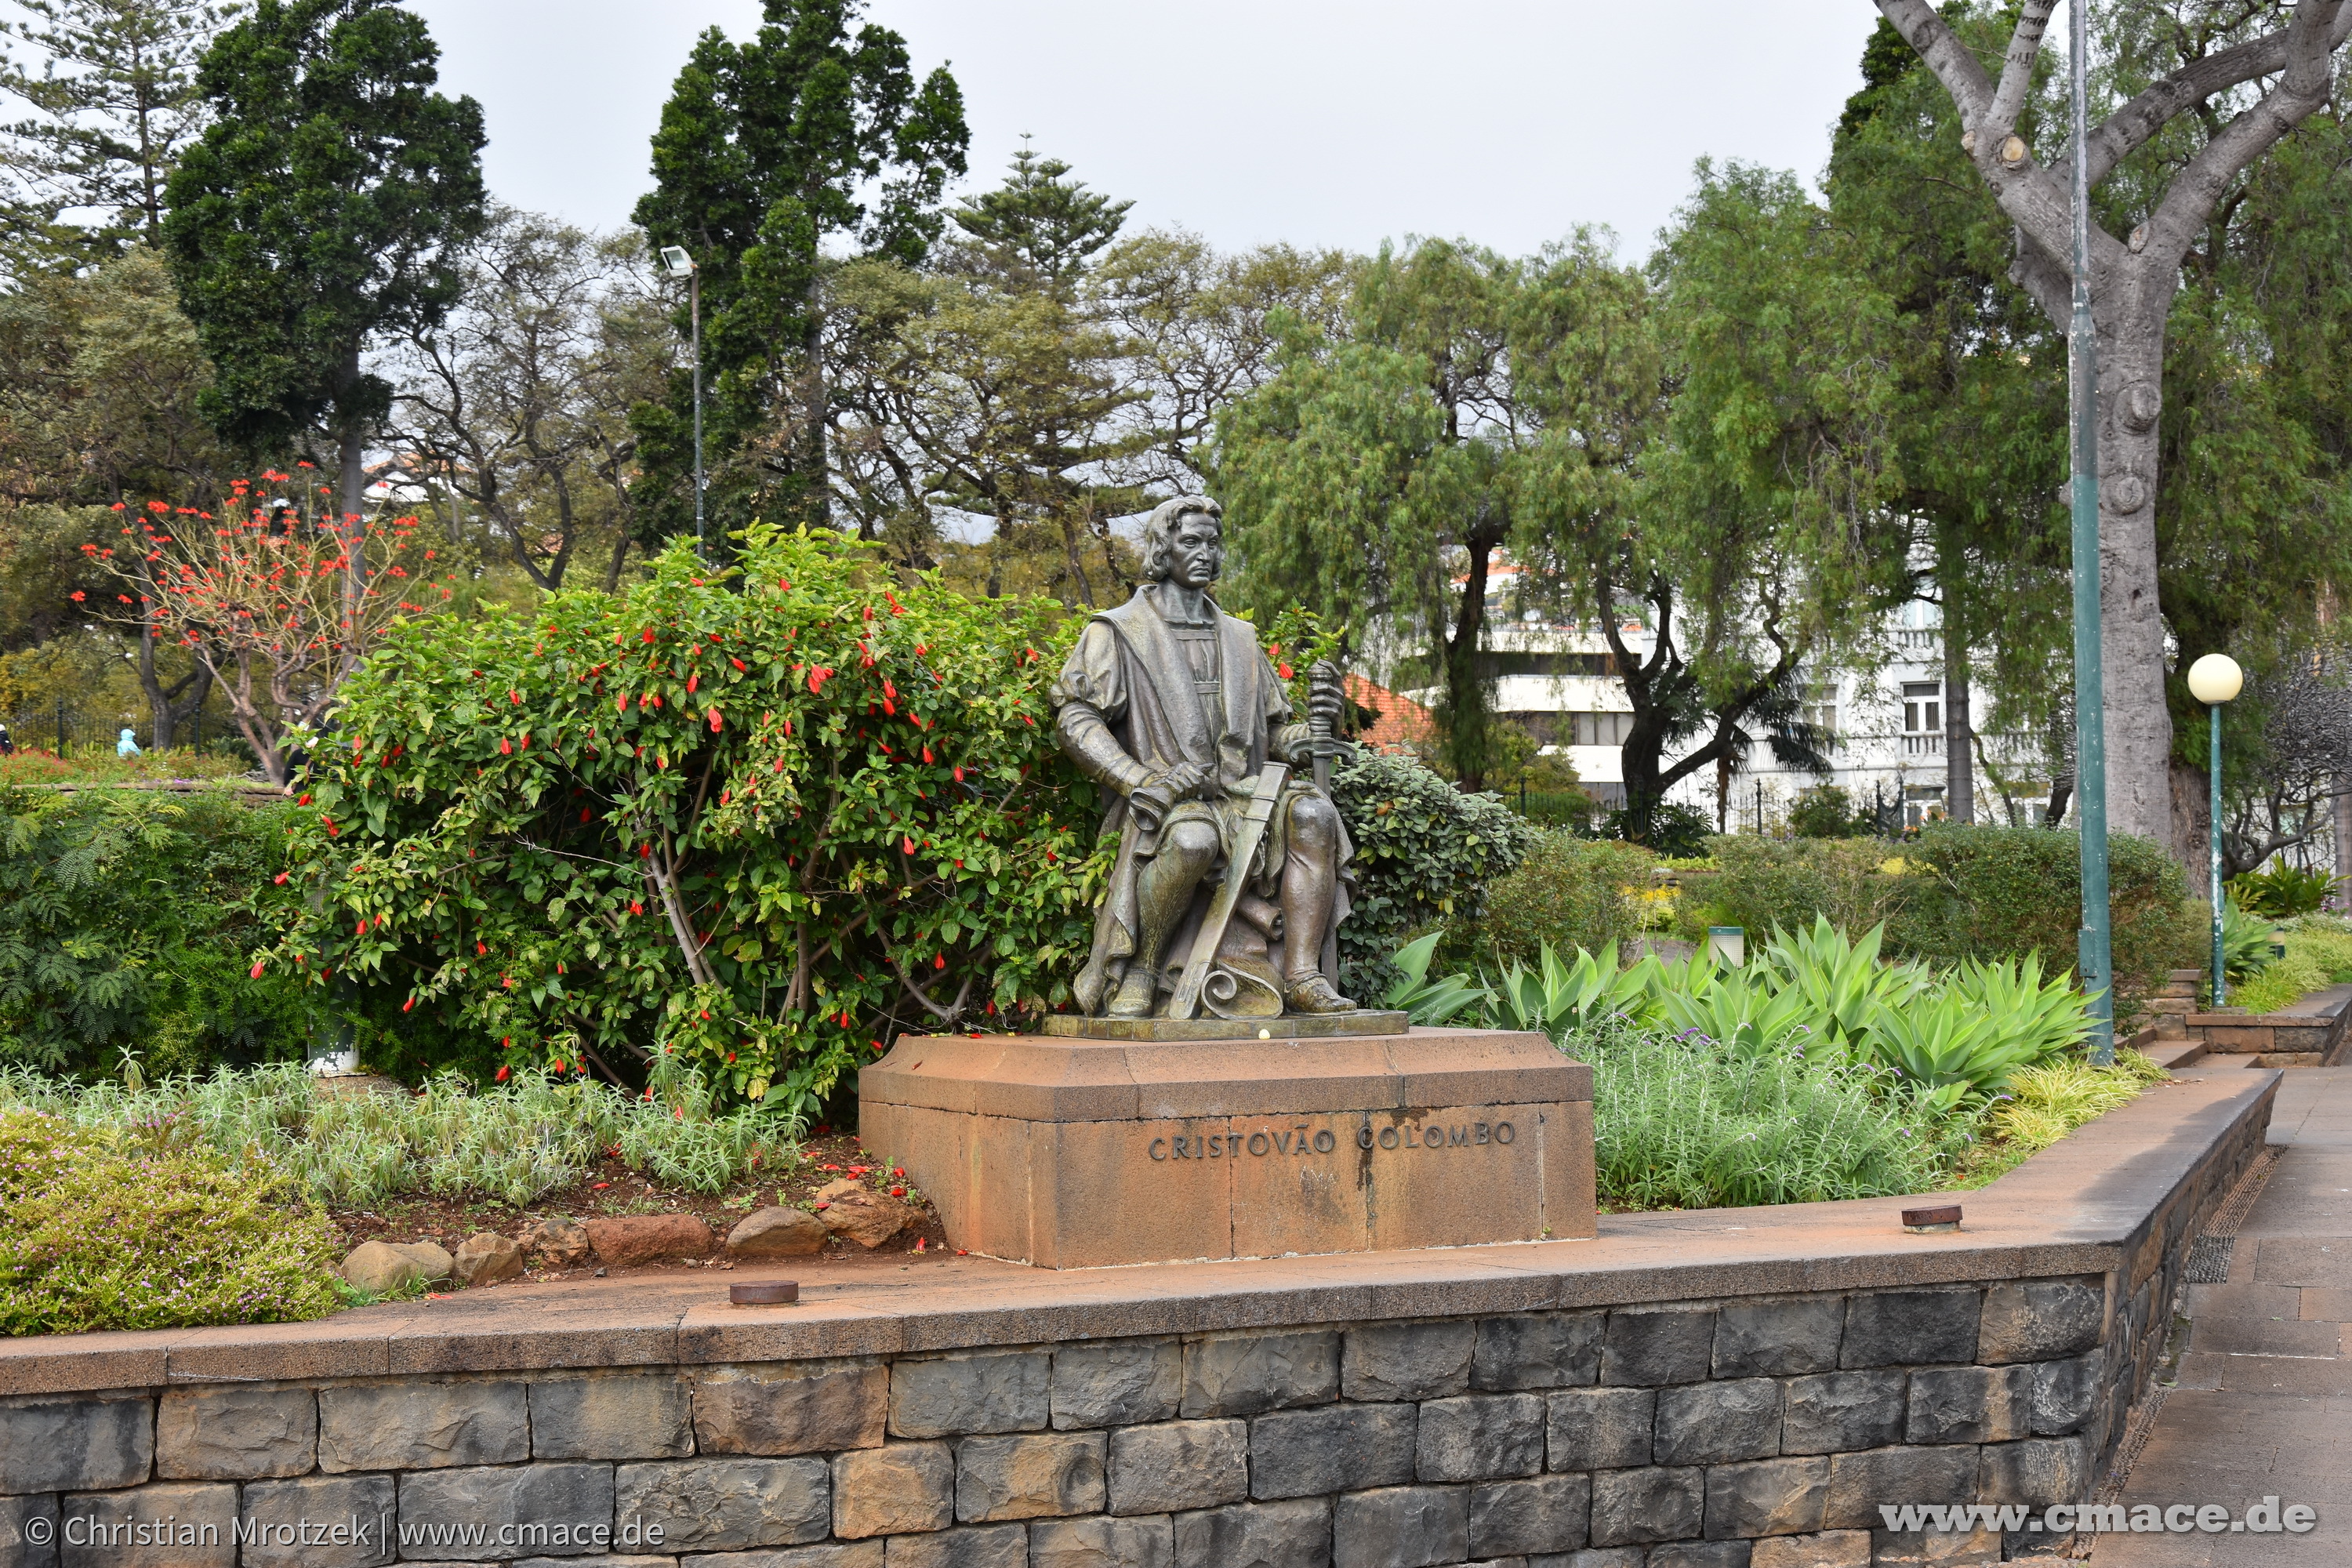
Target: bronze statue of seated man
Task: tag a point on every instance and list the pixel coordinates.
(1174, 707)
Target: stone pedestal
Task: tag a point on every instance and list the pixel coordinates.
(1074, 1152)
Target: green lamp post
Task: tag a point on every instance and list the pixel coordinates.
(2213, 681)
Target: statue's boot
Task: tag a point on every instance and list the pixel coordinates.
(1313, 994)
(1135, 995)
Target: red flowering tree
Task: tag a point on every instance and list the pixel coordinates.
(260, 591)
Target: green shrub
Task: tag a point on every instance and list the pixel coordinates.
(1680, 1123)
(1672, 829)
(1769, 884)
(1826, 811)
(1426, 855)
(2043, 1104)
(128, 919)
(2279, 891)
(2318, 952)
(1987, 892)
(109, 1229)
(1567, 892)
(514, 1143)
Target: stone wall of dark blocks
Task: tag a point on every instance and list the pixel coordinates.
(1757, 1432)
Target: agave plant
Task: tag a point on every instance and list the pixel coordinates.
(1945, 1040)
(1747, 1009)
(2245, 941)
(1430, 1001)
(1843, 982)
(1554, 996)
(2045, 1017)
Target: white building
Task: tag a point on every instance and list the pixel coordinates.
(1885, 726)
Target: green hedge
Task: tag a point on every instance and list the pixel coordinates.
(1567, 892)
(127, 921)
(1956, 892)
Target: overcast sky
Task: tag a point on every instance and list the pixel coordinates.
(1338, 122)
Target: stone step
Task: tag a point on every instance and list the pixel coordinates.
(2175, 1054)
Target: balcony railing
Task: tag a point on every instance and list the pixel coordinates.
(1923, 746)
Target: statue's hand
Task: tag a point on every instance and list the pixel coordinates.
(1183, 780)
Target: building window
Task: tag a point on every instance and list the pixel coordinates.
(1601, 728)
(1820, 710)
(1923, 707)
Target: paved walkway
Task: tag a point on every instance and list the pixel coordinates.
(2264, 1403)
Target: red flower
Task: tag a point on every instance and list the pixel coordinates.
(1283, 670)
(817, 678)
(281, 879)
(77, 596)
(897, 1192)
(502, 1074)
(257, 969)
(405, 1006)
(714, 720)
(940, 961)
(738, 664)
(506, 747)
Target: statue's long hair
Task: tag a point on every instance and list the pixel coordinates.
(1161, 527)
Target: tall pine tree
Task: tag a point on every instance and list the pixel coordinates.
(809, 131)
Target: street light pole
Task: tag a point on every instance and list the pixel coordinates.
(2213, 681)
(2096, 943)
(680, 265)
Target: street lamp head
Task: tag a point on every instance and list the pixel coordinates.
(2215, 678)
(677, 262)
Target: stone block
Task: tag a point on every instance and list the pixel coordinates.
(1542, 1514)
(1910, 1328)
(236, 1434)
(485, 1258)
(898, 1486)
(386, 1269)
(1630, 1507)
(774, 1232)
(319, 1522)
(1768, 1497)
(1242, 1374)
(1969, 1405)
(973, 1546)
(1103, 1542)
(185, 1524)
(1714, 1423)
(2066, 1392)
(2037, 1470)
(1536, 1350)
(793, 1407)
(526, 1510)
(1295, 1534)
(1929, 1548)
(835, 1554)
(1177, 1465)
(612, 1415)
(1407, 1361)
(721, 1505)
(1332, 1448)
(1829, 1549)
(1044, 1476)
(28, 1532)
(1829, 1412)
(1400, 1527)
(1647, 1347)
(1700, 1554)
(421, 1425)
(75, 1444)
(627, 1239)
(1860, 1481)
(1481, 1437)
(2041, 1320)
(970, 1392)
(1117, 1382)
(1769, 1338)
(1599, 1428)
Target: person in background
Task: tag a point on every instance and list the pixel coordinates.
(7, 742)
(124, 746)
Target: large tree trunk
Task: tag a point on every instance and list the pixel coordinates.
(1959, 758)
(2131, 622)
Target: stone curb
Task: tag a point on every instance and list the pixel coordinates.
(2091, 1204)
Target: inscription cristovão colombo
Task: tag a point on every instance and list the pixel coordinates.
(1301, 1138)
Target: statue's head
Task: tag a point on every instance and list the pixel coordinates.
(1184, 540)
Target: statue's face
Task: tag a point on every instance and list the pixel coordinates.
(1196, 552)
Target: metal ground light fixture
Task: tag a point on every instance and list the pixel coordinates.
(2213, 681)
(678, 264)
